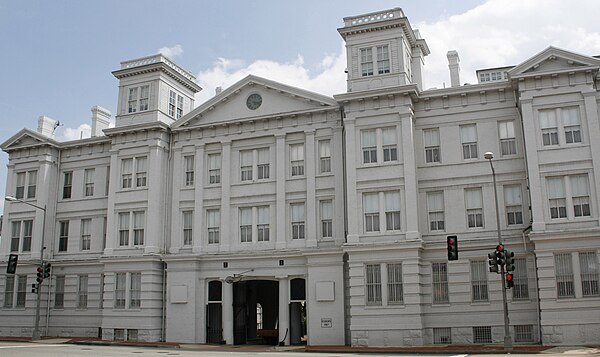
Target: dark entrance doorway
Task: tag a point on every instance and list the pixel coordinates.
(214, 326)
(255, 312)
(297, 311)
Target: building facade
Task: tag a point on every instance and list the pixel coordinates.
(270, 214)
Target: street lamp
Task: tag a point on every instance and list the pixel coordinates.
(507, 339)
(36, 328)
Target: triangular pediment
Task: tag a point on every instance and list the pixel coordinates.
(553, 60)
(253, 98)
(27, 138)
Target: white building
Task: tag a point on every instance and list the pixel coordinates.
(271, 214)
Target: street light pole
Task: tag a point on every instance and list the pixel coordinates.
(36, 329)
(507, 339)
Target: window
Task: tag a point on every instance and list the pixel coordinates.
(120, 282)
(297, 211)
(101, 302)
(324, 156)
(135, 290)
(21, 291)
(21, 229)
(188, 217)
(107, 182)
(581, 195)
(549, 127)
(246, 165)
(31, 183)
(144, 95)
(188, 162)
(126, 173)
(369, 146)
(86, 237)
(67, 184)
(523, 333)
(395, 290)
(27, 234)
(479, 284)
(383, 59)
(392, 211)
(588, 266)
(213, 224)
(20, 191)
(246, 225)
(468, 137)
(15, 236)
(514, 208)
(390, 150)
(571, 125)
(259, 316)
(139, 222)
(132, 100)
(371, 211)
(263, 223)
(263, 163)
(373, 272)
(474, 204)
(563, 265)
(435, 206)
(140, 171)
(88, 177)
(119, 334)
(59, 292)
(508, 143)
(82, 292)
(297, 159)
(439, 283)
(326, 219)
(172, 99)
(442, 335)
(63, 239)
(175, 105)
(9, 291)
(214, 168)
(431, 141)
(482, 334)
(521, 286)
(179, 106)
(132, 334)
(366, 61)
(557, 197)
(124, 229)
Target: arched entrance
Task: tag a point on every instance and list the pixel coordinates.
(253, 325)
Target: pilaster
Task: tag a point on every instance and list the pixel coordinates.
(410, 175)
(225, 196)
(284, 302)
(351, 194)
(199, 226)
(156, 201)
(281, 170)
(337, 160)
(176, 232)
(111, 219)
(311, 205)
(227, 322)
(593, 122)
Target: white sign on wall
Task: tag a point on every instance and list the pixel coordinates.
(326, 322)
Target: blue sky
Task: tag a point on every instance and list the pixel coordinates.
(57, 56)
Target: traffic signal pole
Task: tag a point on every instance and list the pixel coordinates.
(36, 328)
(507, 338)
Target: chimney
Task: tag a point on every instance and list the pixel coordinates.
(453, 64)
(218, 90)
(46, 126)
(100, 120)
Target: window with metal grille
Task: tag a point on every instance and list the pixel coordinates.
(120, 284)
(373, 285)
(369, 146)
(514, 207)
(135, 290)
(482, 334)
(442, 335)
(439, 283)
(132, 334)
(468, 136)
(188, 163)
(82, 292)
(520, 288)
(21, 291)
(188, 218)
(9, 291)
(431, 142)
(394, 284)
(214, 169)
(523, 333)
(479, 282)
(119, 334)
(508, 144)
(474, 205)
(563, 266)
(588, 265)
(435, 206)
(59, 292)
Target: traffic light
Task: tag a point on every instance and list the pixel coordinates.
(510, 282)
(34, 289)
(40, 274)
(500, 255)
(510, 261)
(47, 267)
(493, 262)
(452, 247)
(11, 267)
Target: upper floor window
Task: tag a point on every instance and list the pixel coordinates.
(580, 189)
(214, 168)
(371, 211)
(468, 137)
(379, 64)
(29, 178)
(188, 163)
(383, 59)
(21, 233)
(297, 159)
(508, 144)
(141, 169)
(132, 100)
(88, 178)
(557, 198)
(392, 211)
(138, 99)
(571, 125)
(514, 205)
(246, 165)
(263, 224)
(326, 219)
(175, 105)
(435, 207)
(188, 219)
(369, 146)
(263, 163)
(137, 230)
(297, 217)
(140, 172)
(86, 235)
(383, 141)
(366, 61)
(246, 224)
(213, 224)
(549, 127)
(474, 206)
(324, 156)
(67, 184)
(63, 238)
(390, 150)
(579, 196)
(431, 142)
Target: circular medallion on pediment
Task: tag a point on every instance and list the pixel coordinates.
(254, 101)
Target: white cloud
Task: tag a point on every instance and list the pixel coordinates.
(171, 52)
(81, 132)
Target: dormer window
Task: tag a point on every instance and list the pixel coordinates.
(138, 99)
(370, 65)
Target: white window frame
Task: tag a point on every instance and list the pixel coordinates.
(508, 140)
(263, 223)
(135, 290)
(9, 291)
(88, 178)
(479, 281)
(298, 220)
(82, 291)
(67, 191)
(373, 294)
(20, 185)
(513, 204)
(120, 290)
(245, 214)
(369, 146)
(214, 169)
(549, 127)
(188, 166)
(565, 282)
(439, 283)
(432, 146)
(131, 228)
(296, 160)
(589, 273)
(580, 195)
(383, 59)
(520, 288)
(188, 227)
(213, 225)
(324, 156)
(468, 138)
(571, 125)
(86, 234)
(366, 62)
(389, 144)
(392, 211)
(371, 212)
(21, 236)
(59, 292)
(557, 198)
(474, 207)
(63, 236)
(326, 212)
(395, 286)
(436, 211)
